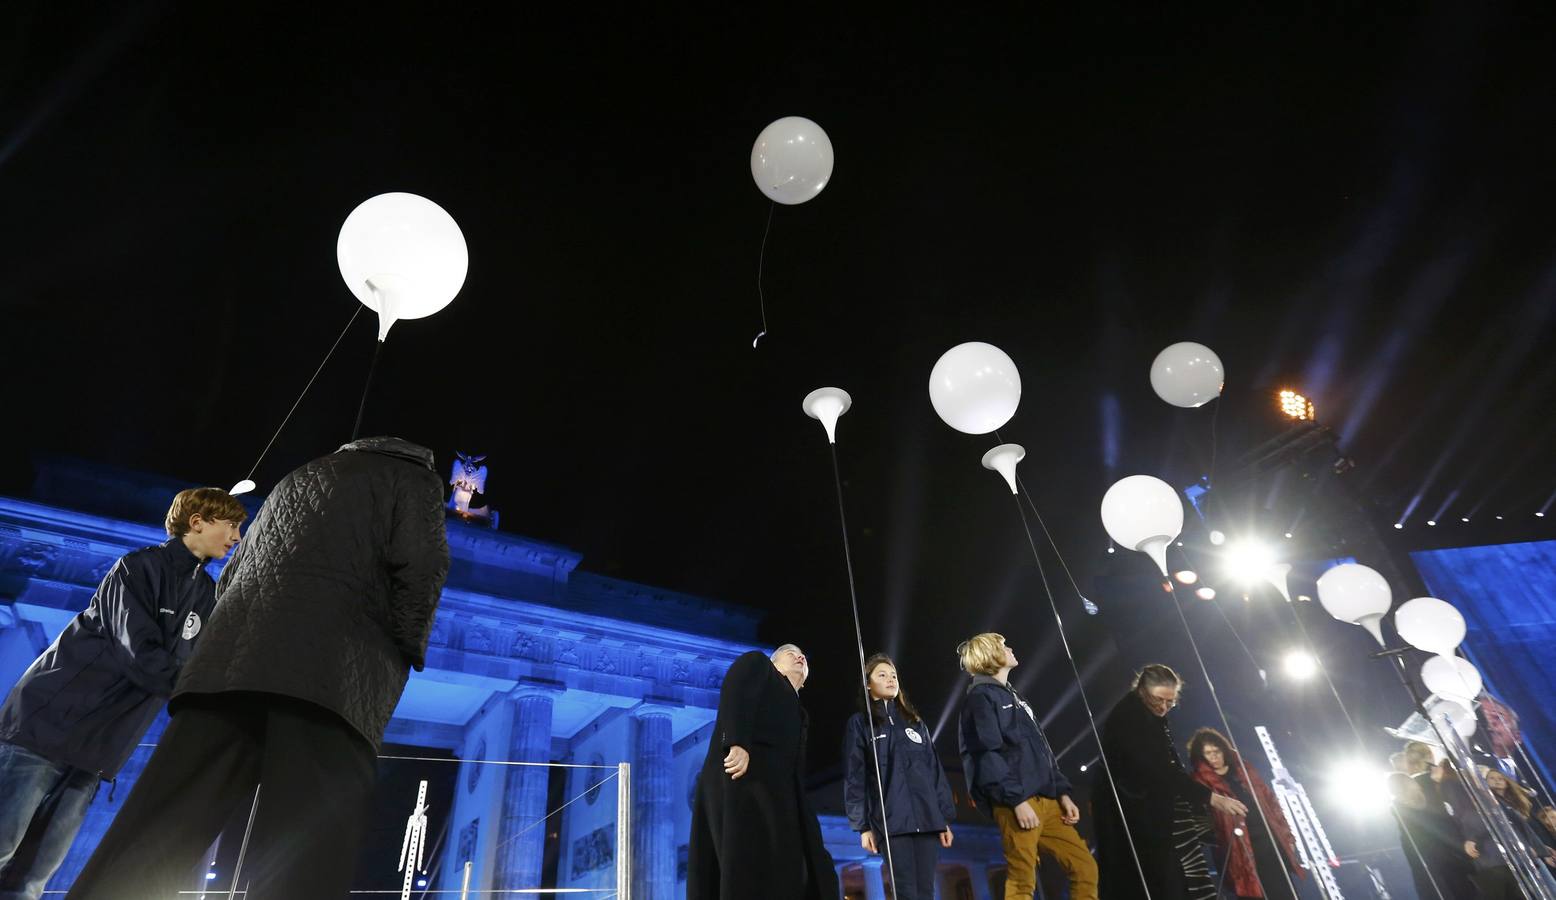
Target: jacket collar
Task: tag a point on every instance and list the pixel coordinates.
(990, 679)
(180, 557)
(399, 448)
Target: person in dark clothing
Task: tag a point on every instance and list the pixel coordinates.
(919, 807)
(76, 714)
(1493, 875)
(1156, 834)
(754, 834)
(320, 616)
(1256, 853)
(1013, 774)
(1431, 842)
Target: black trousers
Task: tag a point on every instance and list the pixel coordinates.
(316, 777)
(913, 858)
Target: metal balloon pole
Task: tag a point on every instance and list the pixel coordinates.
(826, 405)
(1003, 459)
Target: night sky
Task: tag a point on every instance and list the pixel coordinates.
(1353, 200)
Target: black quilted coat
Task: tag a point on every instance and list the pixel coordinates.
(330, 596)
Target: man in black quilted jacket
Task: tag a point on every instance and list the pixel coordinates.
(322, 613)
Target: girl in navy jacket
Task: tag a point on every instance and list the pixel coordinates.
(919, 807)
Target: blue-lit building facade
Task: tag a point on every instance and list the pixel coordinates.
(531, 660)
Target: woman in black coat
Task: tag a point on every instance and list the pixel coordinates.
(1160, 800)
(754, 834)
(919, 807)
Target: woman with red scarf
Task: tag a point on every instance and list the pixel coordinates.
(1246, 846)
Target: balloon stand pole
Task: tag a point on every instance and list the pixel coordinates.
(1091, 718)
(864, 677)
(372, 367)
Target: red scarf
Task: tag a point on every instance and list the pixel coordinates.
(1236, 850)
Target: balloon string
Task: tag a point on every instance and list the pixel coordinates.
(864, 677)
(1215, 414)
(378, 346)
(300, 397)
(1091, 719)
(1046, 533)
(760, 259)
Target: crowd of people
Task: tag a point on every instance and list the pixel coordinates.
(755, 835)
(1447, 842)
(352, 548)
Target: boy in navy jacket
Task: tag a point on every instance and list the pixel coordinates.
(1012, 773)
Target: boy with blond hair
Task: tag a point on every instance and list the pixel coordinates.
(1013, 774)
(76, 714)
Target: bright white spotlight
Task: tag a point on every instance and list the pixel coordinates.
(1359, 786)
(1217, 538)
(1288, 535)
(1300, 664)
(1248, 560)
(1399, 524)
(1187, 576)
(1432, 522)
(1083, 767)
(1539, 515)
(1110, 549)
(1206, 593)
(1464, 518)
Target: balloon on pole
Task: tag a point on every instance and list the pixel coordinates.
(1430, 624)
(1357, 595)
(1458, 715)
(1453, 677)
(1143, 513)
(791, 161)
(403, 256)
(826, 405)
(1003, 459)
(1187, 374)
(975, 387)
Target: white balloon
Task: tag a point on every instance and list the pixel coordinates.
(791, 160)
(826, 405)
(1357, 595)
(1430, 624)
(1187, 374)
(1143, 513)
(1003, 459)
(975, 387)
(1453, 677)
(1460, 716)
(403, 256)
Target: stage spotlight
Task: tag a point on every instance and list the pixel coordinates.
(1217, 538)
(1499, 518)
(1432, 522)
(1539, 515)
(1300, 664)
(1110, 549)
(1296, 406)
(1206, 593)
(1464, 518)
(1083, 767)
(1187, 576)
(1288, 535)
(1359, 786)
(1248, 560)
(1399, 524)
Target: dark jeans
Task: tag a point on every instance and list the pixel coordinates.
(42, 804)
(315, 778)
(913, 859)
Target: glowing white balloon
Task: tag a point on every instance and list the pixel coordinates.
(1453, 677)
(1003, 459)
(242, 487)
(1187, 374)
(1430, 624)
(402, 256)
(975, 387)
(826, 405)
(1459, 716)
(791, 160)
(1143, 513)
(1357, 595)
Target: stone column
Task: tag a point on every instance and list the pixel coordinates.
(874, 877)
(653, 817)
(521, 842)
(978, 874)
